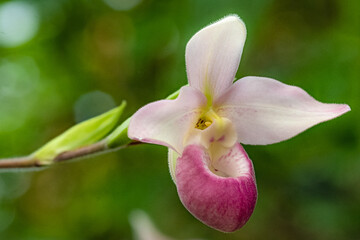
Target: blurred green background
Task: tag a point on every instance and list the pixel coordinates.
(63, 61)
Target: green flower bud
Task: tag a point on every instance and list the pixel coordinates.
(82, 134)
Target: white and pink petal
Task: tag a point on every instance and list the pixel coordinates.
(167, 122)
(224, 201)
(266, 111)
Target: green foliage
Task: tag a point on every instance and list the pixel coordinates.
(82, 134)
(308, 186)
(119, 136)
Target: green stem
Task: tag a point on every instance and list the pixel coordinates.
(116, 140)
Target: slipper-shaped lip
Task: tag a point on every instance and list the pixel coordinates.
(224, 203)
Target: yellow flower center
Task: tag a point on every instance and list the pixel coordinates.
(206, 120)
(203, 123)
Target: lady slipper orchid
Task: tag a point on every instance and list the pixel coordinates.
(205, 125)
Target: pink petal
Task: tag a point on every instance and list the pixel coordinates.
(167, 122)
(213, 55)
(266, 111)
(224, 203)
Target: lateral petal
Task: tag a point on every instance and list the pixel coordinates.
(223, 203)
(266, 111)
(167, 122)
(213, 55)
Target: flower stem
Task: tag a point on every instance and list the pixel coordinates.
(83, 152)
(19, 162)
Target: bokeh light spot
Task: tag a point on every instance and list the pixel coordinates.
(19, 22)
(92, 104)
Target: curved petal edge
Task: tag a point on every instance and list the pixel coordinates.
(213, 55)
(266, 111)
(166, 122)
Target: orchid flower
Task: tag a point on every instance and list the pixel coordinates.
(205, 125)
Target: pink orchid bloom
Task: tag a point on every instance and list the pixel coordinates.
(205, 125)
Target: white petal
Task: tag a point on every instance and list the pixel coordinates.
(217, 138)
(213, 55)
(167, 122)
(266, 111)
(144, 228)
